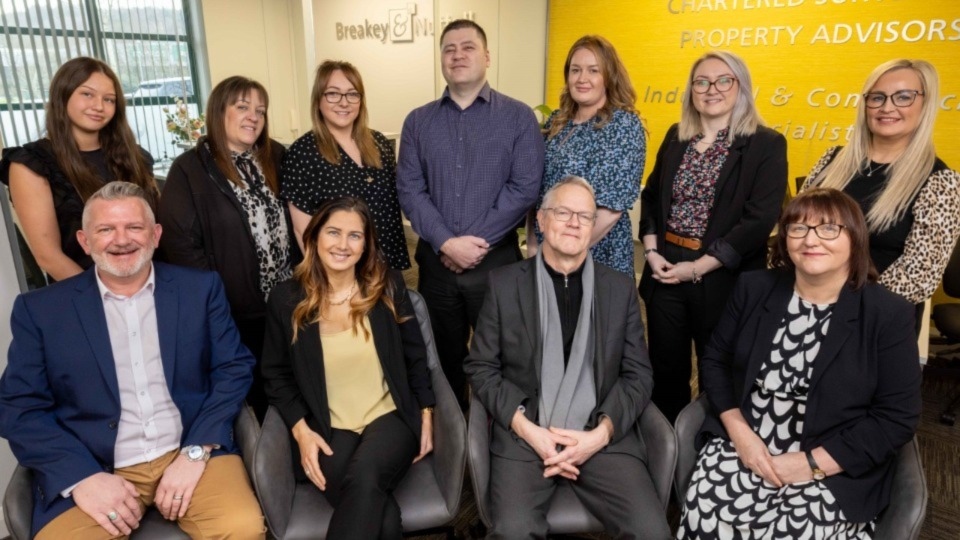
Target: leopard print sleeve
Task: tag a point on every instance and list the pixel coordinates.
(825, 160)
(936, 227)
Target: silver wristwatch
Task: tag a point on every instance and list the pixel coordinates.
(195, 453)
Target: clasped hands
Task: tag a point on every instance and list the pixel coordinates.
(668, 273)
(463, 253)
(784, 469)
(578, 446)
(114, 503)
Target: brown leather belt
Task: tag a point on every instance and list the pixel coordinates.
(682, 241)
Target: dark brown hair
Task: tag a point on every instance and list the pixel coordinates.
(120, 149)
(370, 271)
(225, 94)
(326, 144)
(616, 81)
(459, 24)
(826, 205)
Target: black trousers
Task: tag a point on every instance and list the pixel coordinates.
(616, 488)
(677, 315)
(362, 474)
(454, 301)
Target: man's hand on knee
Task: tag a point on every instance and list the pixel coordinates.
(112, 501)
(176, 487)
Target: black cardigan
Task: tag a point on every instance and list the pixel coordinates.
(749, 195)
(204, 227)
(864, 401)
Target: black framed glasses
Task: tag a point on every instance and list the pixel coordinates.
(900, 98)
(561, 213)
(335, 97)
(722, 84)
(826, 231)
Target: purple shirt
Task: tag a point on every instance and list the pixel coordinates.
(473, 171)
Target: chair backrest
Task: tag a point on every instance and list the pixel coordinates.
(951, 275)
(18, 504)
(272, 474)
(687, 425)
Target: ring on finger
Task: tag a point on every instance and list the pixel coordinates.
(112, 515)
(178, 497)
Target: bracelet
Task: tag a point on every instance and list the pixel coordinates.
(697, 278)
(648, 251)
(427, 410)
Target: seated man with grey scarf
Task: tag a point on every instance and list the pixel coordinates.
(559, 361)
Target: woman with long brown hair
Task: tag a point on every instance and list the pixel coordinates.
(345, 365)
(343, 156)
(87, 144)
(222, 210)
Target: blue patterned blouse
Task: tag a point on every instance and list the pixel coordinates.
(612, 160)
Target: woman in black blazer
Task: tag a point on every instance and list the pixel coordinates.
(706, 213)
(221, 211)
(814, 384)
(345, 364)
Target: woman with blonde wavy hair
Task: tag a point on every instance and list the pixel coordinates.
(345, 365)
(343, 156)
(596, 134)
(910, 197)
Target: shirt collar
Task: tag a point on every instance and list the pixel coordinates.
(556, 275)
(485, 93)
(107, 293)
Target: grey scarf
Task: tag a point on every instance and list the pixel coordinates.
(567, 395)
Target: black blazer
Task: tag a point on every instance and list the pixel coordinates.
(205, 227)
(504, 360)
(749, 195)
(294, 377)
(863, 404)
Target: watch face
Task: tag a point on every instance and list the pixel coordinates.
(195, 453)
(819, 475)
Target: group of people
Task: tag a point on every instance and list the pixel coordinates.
(124, 378)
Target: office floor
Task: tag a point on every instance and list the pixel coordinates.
(939, 449)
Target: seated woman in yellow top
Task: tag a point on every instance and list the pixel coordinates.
(345, 364)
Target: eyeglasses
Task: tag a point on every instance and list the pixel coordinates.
(335, 97)
(900, 98)
(564, 214)
(826, 231)
(702, 86)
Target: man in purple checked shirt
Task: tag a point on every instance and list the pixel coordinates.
(470, 167)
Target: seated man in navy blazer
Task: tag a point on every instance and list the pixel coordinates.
(559, 362)
(122, 386)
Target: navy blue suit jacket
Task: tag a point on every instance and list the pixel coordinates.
(59, 396)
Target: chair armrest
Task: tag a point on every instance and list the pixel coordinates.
(687, 426)
(18, 504)
(661, 443)
(903, 518)
(246, 431)
(273, 472)
(478, 452)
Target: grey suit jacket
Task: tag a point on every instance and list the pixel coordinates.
(504, 361)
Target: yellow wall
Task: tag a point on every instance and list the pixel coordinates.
(806, 57)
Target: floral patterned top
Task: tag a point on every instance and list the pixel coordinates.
(695, 186)
(611, 158)
(308, 180)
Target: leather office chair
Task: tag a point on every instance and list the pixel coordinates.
(429, 495)
(18, 500)
(901, 520)
(567, 515)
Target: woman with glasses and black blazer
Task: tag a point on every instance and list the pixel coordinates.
(342, 156)
(910, 197)
(705, 216)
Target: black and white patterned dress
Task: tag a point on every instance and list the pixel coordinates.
(725, 499)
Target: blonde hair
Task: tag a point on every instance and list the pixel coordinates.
(909, 171)
(326, 144)
(619, 90)
(744, 119)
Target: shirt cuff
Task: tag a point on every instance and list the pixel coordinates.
(67, 492)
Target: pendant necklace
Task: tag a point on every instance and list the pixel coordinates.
(345, 298)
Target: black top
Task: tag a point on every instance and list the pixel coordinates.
(38, 156)
(886, 246)
(569, 291)
(308, 181)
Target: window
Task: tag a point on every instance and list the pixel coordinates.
(147, 43)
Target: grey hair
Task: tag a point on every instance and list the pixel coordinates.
(570, 180)
(115, 191)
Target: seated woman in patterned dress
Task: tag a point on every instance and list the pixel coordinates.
(813, 380)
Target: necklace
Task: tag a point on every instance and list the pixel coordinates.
(345, 298)
(871, 169)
